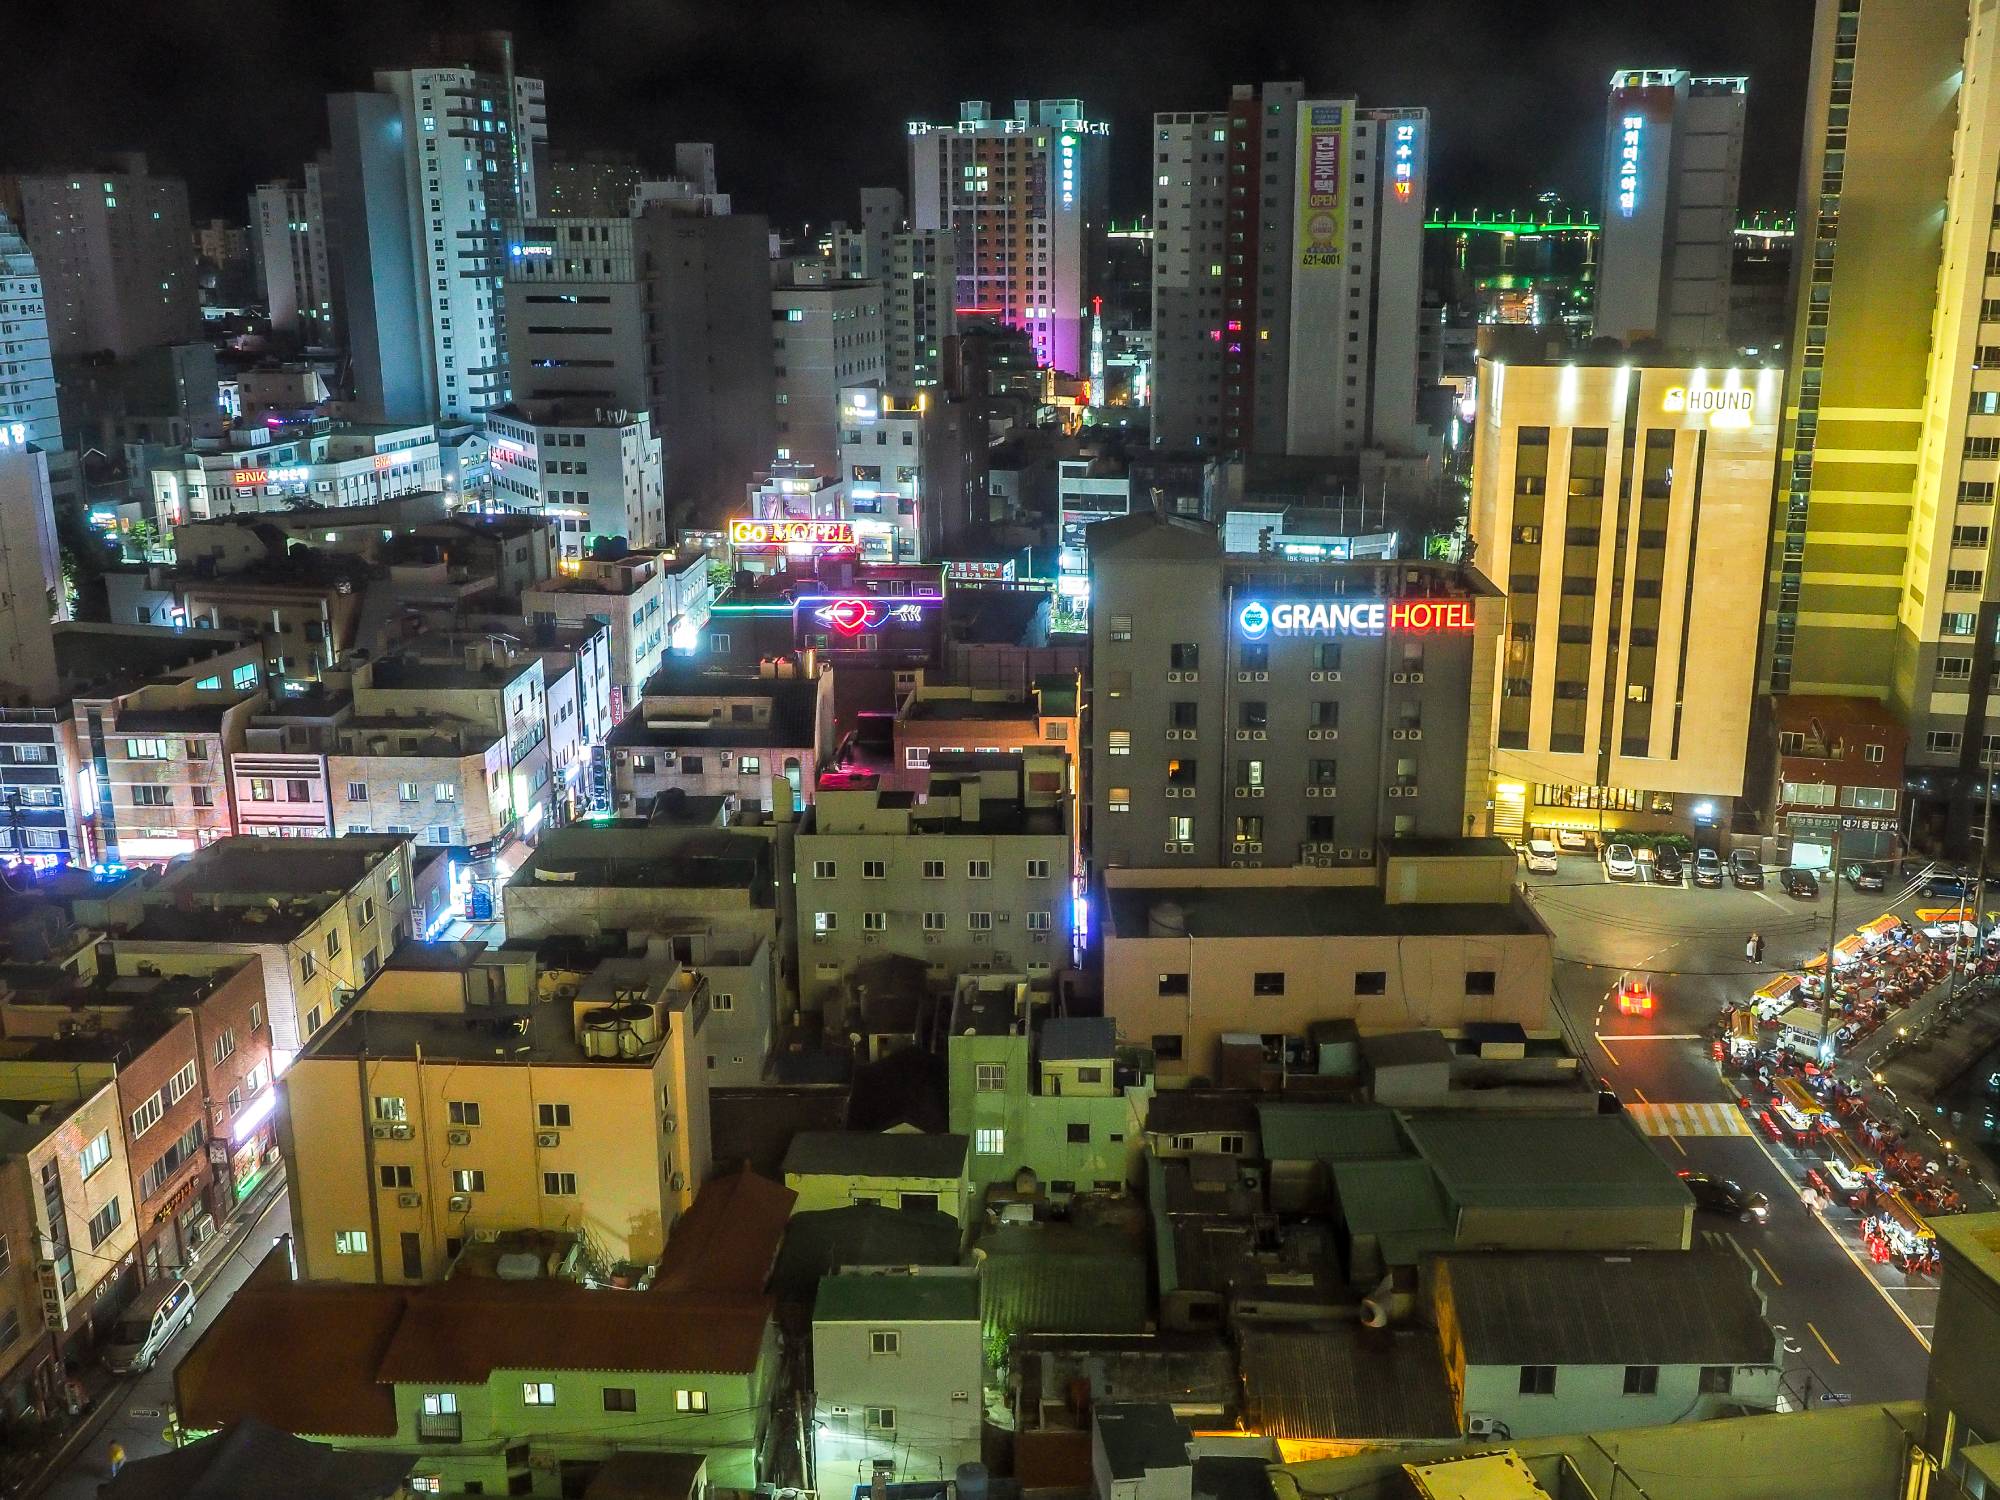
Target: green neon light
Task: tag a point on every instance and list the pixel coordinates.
(1753, 223)
(750, 609)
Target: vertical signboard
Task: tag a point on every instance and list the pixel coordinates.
(1324, 131)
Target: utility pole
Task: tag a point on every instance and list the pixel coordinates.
(1832, 936)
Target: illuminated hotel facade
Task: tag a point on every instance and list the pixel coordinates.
(1263, 713)
(1624, 510)
(1023, 196)
(1287, 242)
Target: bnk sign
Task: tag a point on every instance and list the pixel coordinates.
(1256, 619)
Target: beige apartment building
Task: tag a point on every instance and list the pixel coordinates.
(975, 878)
(1624, 508)
(1435, 941)
(440, 779)
(455, 1100)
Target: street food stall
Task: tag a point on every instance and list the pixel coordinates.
(1741, 1040)
(1946, 924)
(1777, 996)
(1797, 1112)
(1897, 1234)
(1879, 931)
(1799, 1034)
(1847, 1175)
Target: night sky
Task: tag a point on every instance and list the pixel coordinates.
(806, 100)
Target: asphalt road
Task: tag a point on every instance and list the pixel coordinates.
(139, 1405)
(1849, 1328)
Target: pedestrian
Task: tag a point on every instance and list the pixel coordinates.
(117, 1457)
(1812, 1201)
(1753, 949)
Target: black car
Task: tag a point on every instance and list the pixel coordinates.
(1745, 871)
(1801, 884)
(1867, 878)
(1667, 868)
(1718, 1195)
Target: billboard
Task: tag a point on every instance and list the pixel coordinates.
(782, 532)
(1324, 131)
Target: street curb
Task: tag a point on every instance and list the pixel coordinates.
(107, 1404)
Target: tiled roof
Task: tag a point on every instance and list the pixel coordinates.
(1342, 1380)
(246, 1364)
(1640, 1307)
(459, 1333)
(728, 1239)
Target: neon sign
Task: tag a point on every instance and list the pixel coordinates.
(1255, 620)
(1068, 169)
(788, 533)
(1406, 152)
(860, 614)
(1680, 398)
(296, 474)
(1628, 164)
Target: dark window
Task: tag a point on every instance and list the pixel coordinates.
(1166, 1046)
(918, 1202)
(1479, 981)
(620, 1398)
(1371, 982)
(1716, 1380)
(1173, 984)
(413, 1256)
(1268, 982)
(1079, 1133)
(1538, 1380)
(1642, 1380)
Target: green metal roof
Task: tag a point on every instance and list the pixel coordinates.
(1329, 1132)
(1484, 1159)
(1056, 1278)
(898, 1297)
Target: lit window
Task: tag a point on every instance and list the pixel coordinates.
(989, 1140)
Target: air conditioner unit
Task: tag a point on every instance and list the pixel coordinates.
(1347, 854)
(459, 1137)
(678, 1181)
(409, 1200)
(1243, 734)
(1416, 677)
(932, 937)
(1191, 677)
(1242, 676)
(1186, 848)
(547, 1138)
(1399, 734)
(1326, 677)
(1395, 791)
(1256, 791)
(400, 1132)
(1038, 937)
(1258, 734)
(1173, 677)
(1481, 1426)
(669, 1125)
(1413, 734)
(1260, 677)
(1173, 734)
(459, 1203)
(1322, 734)
(1400, 677)
(1236, 864)
(380, 1132)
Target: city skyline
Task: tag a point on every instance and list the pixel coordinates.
(641, 78)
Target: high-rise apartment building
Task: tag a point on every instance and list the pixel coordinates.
(1287, 274)
(31, 591)
(918, 269)
(1623, 508)
(288, 228)
(27, 376)
(592, 471)
(116, 254)
(666, 311)
(1673, 151)
(430, 168)
(1265, 713)
(1023, 196)
(1882, 577)
(826, 333)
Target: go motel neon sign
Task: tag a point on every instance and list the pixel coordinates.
(1255, 620)
(789, 533)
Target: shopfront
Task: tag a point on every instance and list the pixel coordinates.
(1865, 838)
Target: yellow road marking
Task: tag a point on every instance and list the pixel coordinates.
(1824, 1344)
(1640, 1096)
(1610, 1054)
(1677, 1145)
(1776, 1279)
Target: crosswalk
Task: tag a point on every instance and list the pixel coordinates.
(1688, 1119)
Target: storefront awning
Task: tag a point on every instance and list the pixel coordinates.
(1882, 926)
(1780, 987)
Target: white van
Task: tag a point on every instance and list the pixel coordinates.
(1542, 856)
(158, 1313)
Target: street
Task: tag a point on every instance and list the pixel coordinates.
(1850, 1328)
(138, 1407)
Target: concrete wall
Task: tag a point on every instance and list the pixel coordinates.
(1592, 1397)
(932, 1384)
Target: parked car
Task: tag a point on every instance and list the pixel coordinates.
(1707, 867)
(1542, 857)
(1719, 1195)
(1745, 871)
(1800, 884)
(1867, 877)
(1667, 867)
(157, 1314)
(1620, 863)
(1572, 841)
(1948, 885)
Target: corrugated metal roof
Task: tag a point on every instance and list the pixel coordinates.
(861, 1298)
(1056, 1278)
(1329, 1132)
(1486, 1159)
(1645, 1307)
(1341, 1380)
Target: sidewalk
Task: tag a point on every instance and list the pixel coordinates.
(29, 1474)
